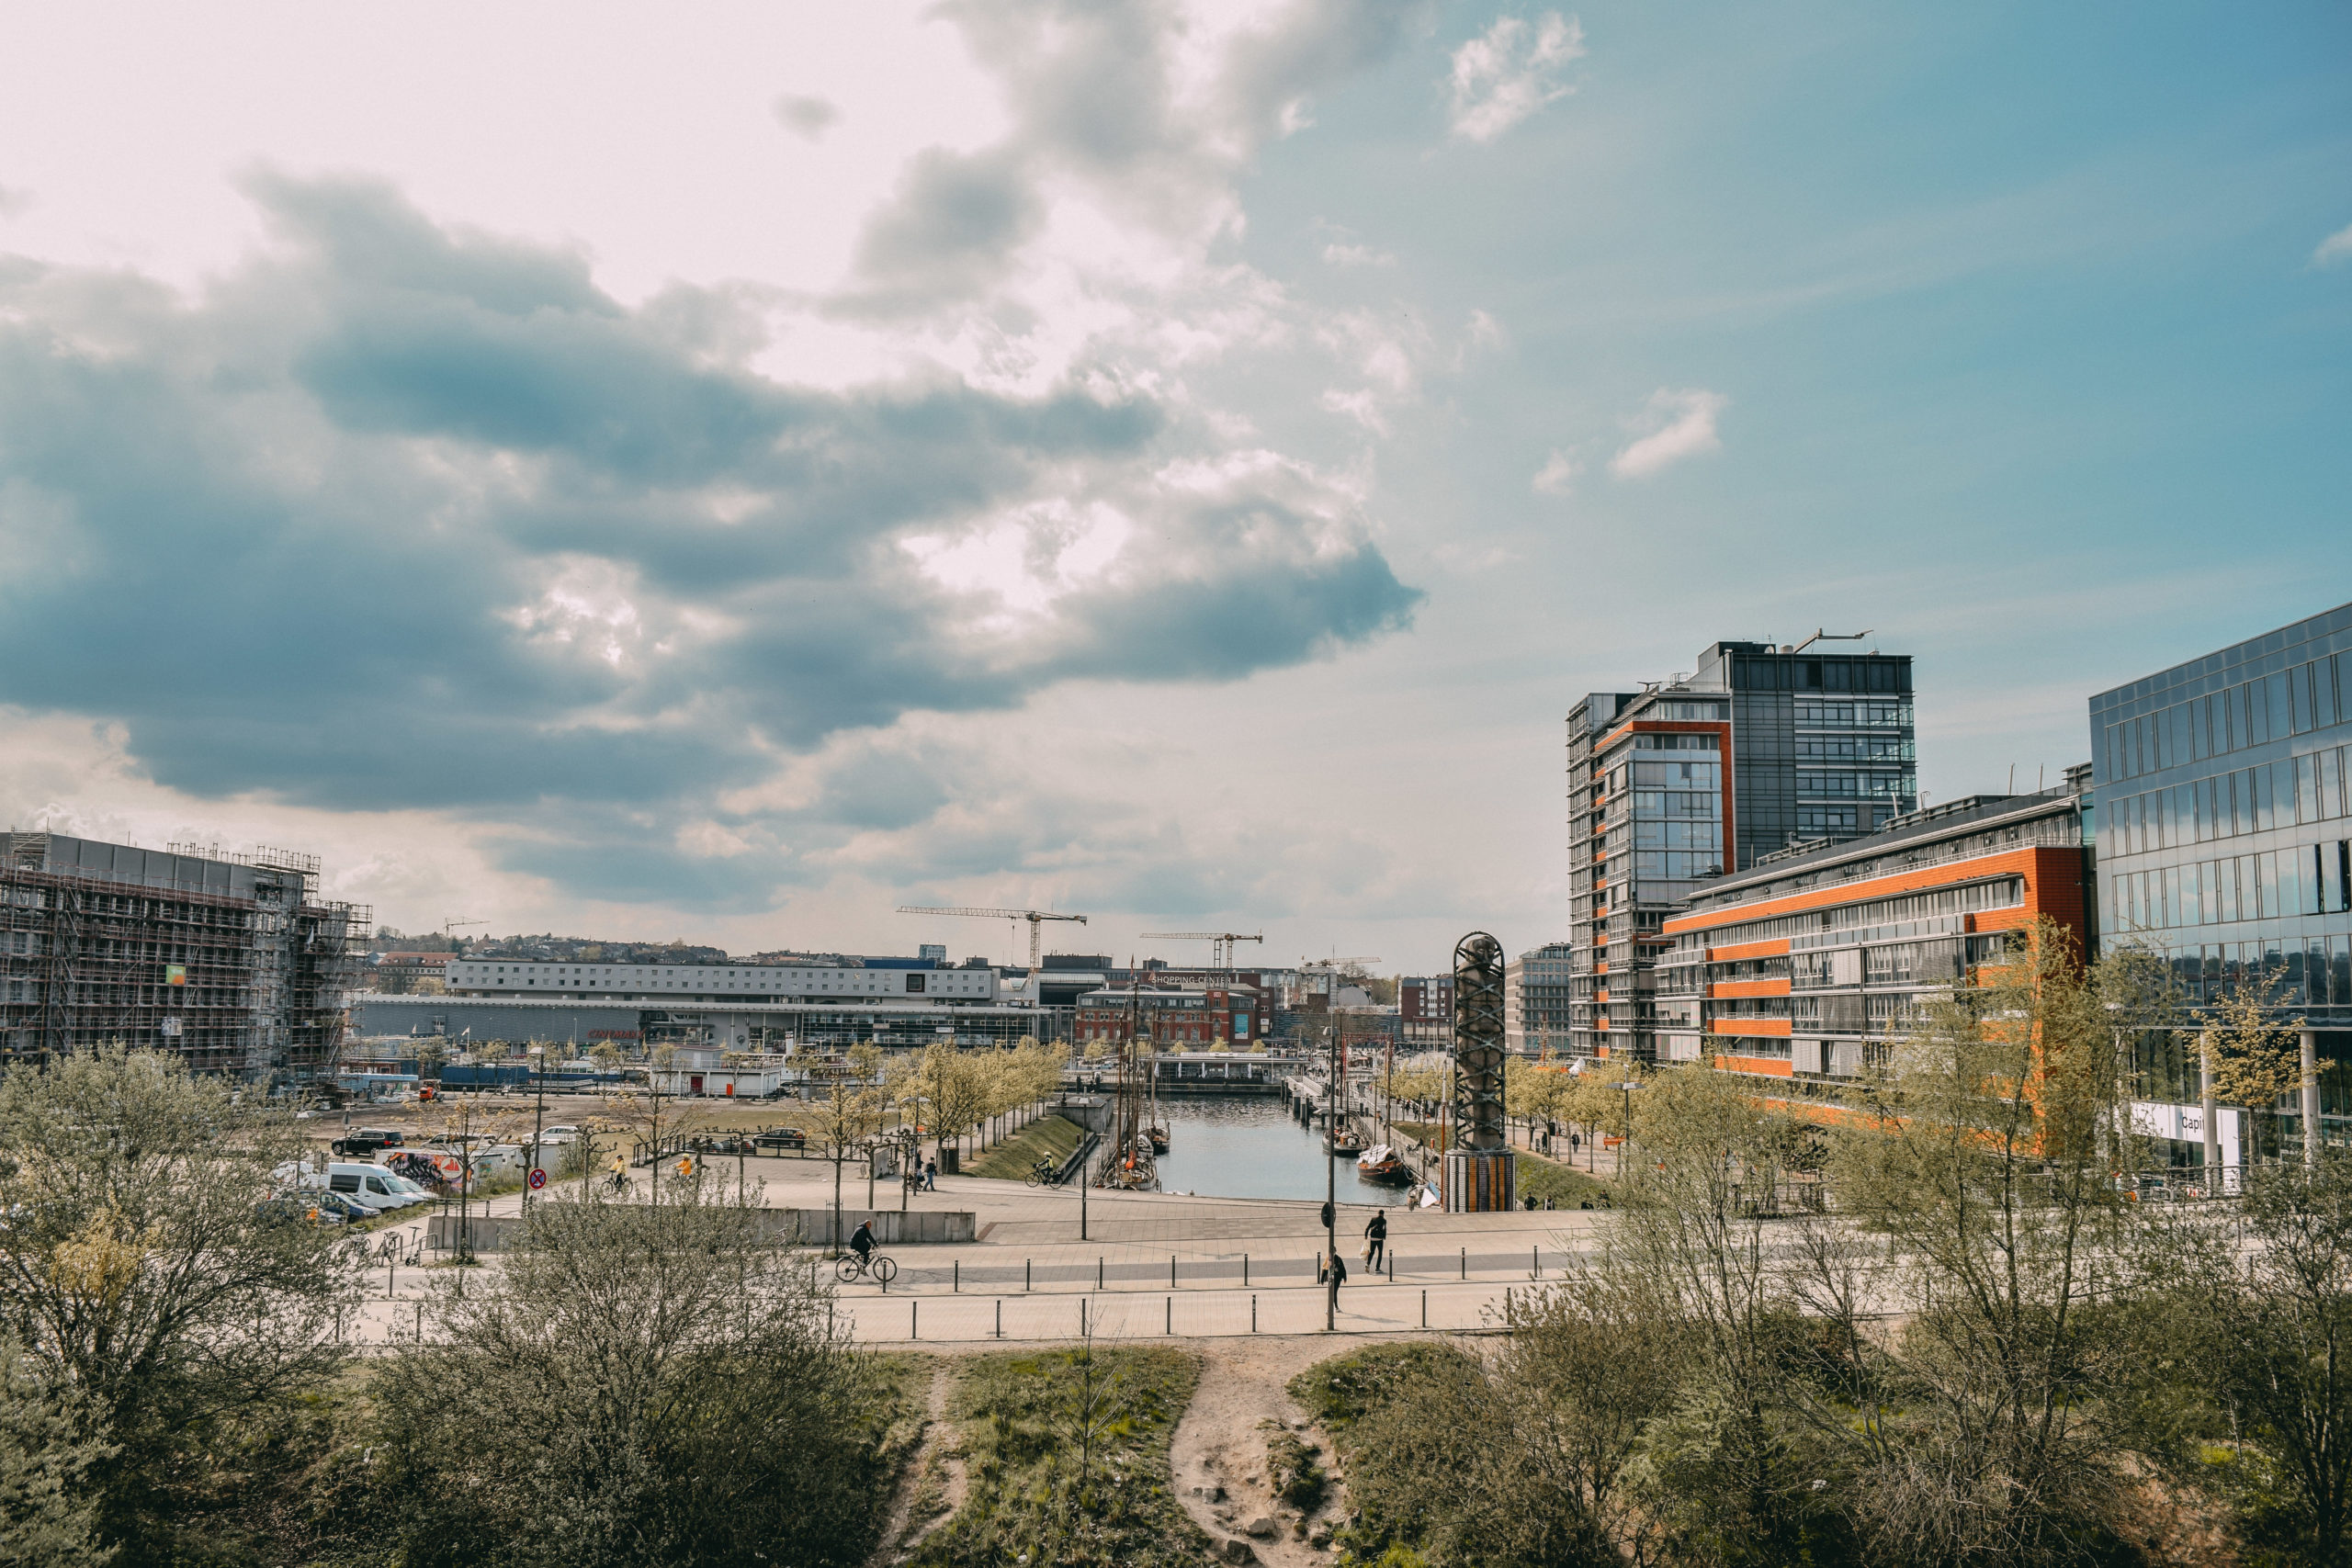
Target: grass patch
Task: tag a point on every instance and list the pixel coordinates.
(1341, 1391)
(1053, 1137)
(1292, 1468)
(1567, 1186)
(1066, 1456)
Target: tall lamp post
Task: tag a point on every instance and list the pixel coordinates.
(1331, 1190)
(1626, 1142)
(538, 1053)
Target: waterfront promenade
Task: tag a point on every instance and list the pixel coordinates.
(1149, 1265)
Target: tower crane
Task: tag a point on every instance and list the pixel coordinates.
(1222, 943)
(1036, 919)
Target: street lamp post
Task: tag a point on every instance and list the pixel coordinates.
(1626, 1141)
(1331, 1190)
(538, 1054)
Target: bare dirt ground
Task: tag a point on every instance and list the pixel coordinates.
(1217, 1459)
(934, 1484)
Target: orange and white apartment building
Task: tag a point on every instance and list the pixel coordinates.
(1804, 967)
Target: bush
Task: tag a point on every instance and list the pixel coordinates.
(642, 1386)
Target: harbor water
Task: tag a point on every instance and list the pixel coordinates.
(1247, 1146)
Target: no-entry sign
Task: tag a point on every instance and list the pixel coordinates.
(538, 1178)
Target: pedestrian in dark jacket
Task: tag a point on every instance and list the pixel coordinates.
(1375, 1235)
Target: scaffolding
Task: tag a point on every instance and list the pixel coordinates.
(252, 986)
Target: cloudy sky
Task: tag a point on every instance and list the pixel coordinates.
(726, 471)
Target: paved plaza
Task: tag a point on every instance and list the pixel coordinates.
(1148, 1264)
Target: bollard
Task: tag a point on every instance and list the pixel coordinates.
(1098, 1271)
(1392, 1267)
(1425, 1308)
(1466, 1263)
(1536, 1262)
(1081, 1318)
(999, 1317)
(957, 1275)
(1172, 1270)
(1245, 1271)
(1024, 1274)
(914, 1318)
(420, 1323)
(1253, 1314)
(1171, 1315)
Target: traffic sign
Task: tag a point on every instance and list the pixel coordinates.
(538, 1178)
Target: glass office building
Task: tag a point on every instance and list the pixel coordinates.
(1762, 747)
(2225, 843)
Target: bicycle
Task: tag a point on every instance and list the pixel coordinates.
(853, 1268)
(616, 1184)
(1045, 1173)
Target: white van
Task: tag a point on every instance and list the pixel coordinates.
(369, 1184)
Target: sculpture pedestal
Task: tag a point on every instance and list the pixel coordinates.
(1480, 1181)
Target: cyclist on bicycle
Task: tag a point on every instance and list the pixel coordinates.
(861, 1241)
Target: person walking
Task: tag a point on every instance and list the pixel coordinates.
(931, 1176)
(1338, 1277)
(1376, 1238)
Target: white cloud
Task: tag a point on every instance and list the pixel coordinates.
(1357, 255)
(1510, 70)
(2336, 247)
(1685, 427)
(1556, 477)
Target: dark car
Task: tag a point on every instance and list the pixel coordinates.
(364, 1142)
(777, 1138)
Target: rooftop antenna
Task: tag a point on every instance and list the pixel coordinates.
(1820, 636)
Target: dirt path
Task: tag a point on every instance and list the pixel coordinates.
(1217, 1458)
(934, 1485)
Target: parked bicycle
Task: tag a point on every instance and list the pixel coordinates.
(853, 1268)
(1045, 1173)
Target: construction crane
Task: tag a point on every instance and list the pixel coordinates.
(1222, 943)
(449, 927)
(1036, 919)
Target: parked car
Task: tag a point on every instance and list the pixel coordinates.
(374, 1185)
(776, 1139)
(293, 1209)
(364, 1141)
(346, 1210)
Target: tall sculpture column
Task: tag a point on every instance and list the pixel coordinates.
(1481, 1165)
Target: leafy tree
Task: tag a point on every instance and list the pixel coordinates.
(2259, 1330)
(1988, 1436)
(144, 1278)
(848, 1115)
(2256, 1053)
(47, 1517)
(638, 1387)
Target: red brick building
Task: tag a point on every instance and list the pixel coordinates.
(1170, 1017)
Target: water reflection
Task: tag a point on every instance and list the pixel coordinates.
(1247, 1146)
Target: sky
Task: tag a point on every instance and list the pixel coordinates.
(723, 473)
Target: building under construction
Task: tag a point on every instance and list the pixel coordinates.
(233, 962)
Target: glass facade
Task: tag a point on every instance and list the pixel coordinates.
(2225, 833)
(1671, 788)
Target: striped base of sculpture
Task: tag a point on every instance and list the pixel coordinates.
(1480, 1181)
